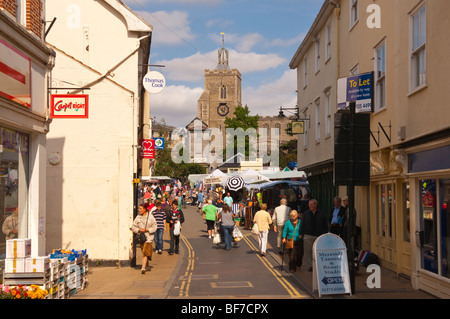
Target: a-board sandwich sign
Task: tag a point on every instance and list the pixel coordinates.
(330, 266)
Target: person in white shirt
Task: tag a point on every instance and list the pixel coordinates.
(279, 218)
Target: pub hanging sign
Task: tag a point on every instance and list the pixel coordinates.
(69, 105)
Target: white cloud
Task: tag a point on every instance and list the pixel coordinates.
(176, 104)
(170, 28)
(266, 99)
(191, 68)
(185, 2)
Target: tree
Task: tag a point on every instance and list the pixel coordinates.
(242, 119)
(288, 153)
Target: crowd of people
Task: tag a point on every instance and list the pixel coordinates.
(296, 226)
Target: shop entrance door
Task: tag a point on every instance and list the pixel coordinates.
(385, 233)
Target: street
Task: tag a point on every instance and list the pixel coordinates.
(211, 272)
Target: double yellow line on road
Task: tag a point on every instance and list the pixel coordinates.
(289, 288)
(185, 284)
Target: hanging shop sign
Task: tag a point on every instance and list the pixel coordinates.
(154, 82)
(147, 148)
(15, 74)
(159, 143)
(330, 270)
(359, 89)
(69, 105)
(298, 127)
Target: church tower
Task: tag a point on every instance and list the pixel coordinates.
(222, 92)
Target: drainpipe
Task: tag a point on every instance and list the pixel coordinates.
(337, 13)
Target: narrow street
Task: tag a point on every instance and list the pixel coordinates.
(211, 272)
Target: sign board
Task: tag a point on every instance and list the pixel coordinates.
(154, 82)
(213, 180)
(331, 273)
(359, 89)
(147, 148)
(159, 143)
(69, 105)
(298, 127)
(15, 74)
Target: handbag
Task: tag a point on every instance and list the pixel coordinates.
(140, 238)
(290, 242)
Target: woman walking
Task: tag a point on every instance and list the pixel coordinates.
(145, 223)
(210, 212)
(291, 233)
(227, 218)
(263, 220)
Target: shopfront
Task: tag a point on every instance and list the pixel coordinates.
(25, 63)
(14, 180)
(429, 172)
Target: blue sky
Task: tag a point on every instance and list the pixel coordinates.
(261, 36)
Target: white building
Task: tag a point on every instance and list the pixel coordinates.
(102, 48)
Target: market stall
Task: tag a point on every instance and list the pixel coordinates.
(59, 275)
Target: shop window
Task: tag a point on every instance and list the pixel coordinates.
(13, 185)
(405, 215)
(385, 210)
(428, 224)
(444, 191)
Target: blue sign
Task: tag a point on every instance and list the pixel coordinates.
(359, 89)
(293, 164)
(159, 143)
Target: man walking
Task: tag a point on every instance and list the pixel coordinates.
(314, 224)
(279, 218)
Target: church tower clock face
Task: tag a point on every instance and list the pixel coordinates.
(223, 109)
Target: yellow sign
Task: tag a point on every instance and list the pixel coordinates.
(298, 127)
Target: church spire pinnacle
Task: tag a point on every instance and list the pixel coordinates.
(223, 56)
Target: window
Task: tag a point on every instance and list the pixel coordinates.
(380, 77)
(434, 198)
(385, 210)
(223, 92)
(14, 179)
(328, 42)
(21, 12)
(317, 45)
(327, 114)
(305, 72)
(418, 54)
(317, 118)
(353, 13)
(305, 135)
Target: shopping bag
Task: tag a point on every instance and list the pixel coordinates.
(216, 239)
(177, 229)
(237, 235)
(255, 229)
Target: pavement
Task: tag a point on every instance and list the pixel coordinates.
(113, 282)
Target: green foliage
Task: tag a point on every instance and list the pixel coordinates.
(243, 120)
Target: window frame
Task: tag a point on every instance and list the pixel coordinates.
(354, 13)
(418, 59)
(380, 80)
